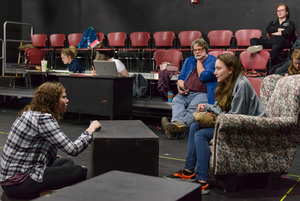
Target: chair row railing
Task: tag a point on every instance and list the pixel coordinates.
(6, 40)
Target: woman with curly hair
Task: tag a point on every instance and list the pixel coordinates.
(234, 95)
(29, 163)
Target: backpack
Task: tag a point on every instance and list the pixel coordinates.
(140, 85)
(88, 36)
(296, 44)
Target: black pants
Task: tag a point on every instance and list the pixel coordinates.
(61, 173)
(276, 44)
(283, 69)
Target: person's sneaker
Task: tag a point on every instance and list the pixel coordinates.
(204, 187)
(254, 48)
(164, 122)
(182, 175)
(176, 127)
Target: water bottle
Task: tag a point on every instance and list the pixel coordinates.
(170, 96)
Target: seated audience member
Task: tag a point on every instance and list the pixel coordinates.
(234, 95)
(292, 66)
(282, 68)
(120, 66)
(196, 84)
(282, 34)
(68, 56)
(29, 163)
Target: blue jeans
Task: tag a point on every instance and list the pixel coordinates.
(198, 150)
(183, 107)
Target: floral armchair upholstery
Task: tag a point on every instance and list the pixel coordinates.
(245, 144)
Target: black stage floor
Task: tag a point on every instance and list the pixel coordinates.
(171, 158)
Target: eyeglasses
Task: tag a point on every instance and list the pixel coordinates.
(296, 64)
(280, 11)
(199, 49)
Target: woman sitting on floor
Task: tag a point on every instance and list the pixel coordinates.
(29, 163)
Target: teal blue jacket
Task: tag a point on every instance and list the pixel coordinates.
(207, 76)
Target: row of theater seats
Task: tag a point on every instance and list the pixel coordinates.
(118, 43)
(220, 39)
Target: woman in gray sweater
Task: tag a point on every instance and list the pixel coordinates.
(234, 95)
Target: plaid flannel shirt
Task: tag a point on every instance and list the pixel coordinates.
(32, 145)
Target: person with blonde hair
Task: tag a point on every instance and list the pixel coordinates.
(68, 56)
(235, 95)
(294, 68)
(29, 163)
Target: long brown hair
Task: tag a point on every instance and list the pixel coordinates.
(295, 55)
(224, 90)
(46, 99)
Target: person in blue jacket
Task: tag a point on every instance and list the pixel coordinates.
(196, 84)
(68, 56)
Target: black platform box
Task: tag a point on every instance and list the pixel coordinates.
(117, 185)
(125, 145)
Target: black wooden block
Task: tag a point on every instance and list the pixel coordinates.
(117, 185)
(125, 145)
(105, 96)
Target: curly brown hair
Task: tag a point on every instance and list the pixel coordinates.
(224, 90)
(46, 99)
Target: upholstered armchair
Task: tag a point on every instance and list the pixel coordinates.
(248, 144)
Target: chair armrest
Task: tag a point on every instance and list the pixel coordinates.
(245, 122)
(250, 144)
